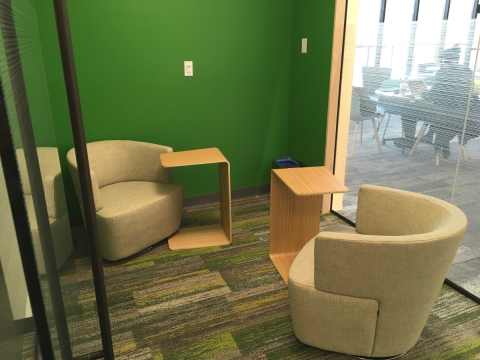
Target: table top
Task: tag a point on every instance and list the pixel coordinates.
(192, 157)
(310, 181)
(401, 97)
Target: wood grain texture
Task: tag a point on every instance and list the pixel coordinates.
(310, 181)
(200, 236)
(335, 76)
(192, 157)
(294, 220)
(211, 235)
(283, 263)
(225, 198)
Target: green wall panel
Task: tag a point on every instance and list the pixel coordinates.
(129, 57)
(250, 94)
(310, 79)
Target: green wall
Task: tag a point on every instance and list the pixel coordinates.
(310, 79)
(247, 82)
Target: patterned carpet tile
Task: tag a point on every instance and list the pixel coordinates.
(224, 302)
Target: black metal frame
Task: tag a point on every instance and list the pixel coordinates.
(76, 119)
(413, 35)
(446, 281)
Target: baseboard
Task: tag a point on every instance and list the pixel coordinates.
(236, 194)
(25, 326)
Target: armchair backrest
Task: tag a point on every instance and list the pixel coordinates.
(390, 212)
(115, 161)
(50, 170)
(399, 256)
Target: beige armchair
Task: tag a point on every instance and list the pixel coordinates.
(369, 291)
(137, 205)
(49, 163)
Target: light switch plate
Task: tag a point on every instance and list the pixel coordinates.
(304, 45)
(188, 68)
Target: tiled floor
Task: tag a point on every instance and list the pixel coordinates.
(420, 173)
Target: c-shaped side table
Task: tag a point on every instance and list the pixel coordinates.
(208, 235)
(295, 206)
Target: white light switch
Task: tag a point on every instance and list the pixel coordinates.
(188, 68)
(304, 45)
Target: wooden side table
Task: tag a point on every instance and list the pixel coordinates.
(208, 235)
(295, 205)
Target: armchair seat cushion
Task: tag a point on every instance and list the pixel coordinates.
(329, 321)
(136, 215)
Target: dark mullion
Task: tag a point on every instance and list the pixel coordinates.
(471, 33)
(446, 11)
(413, 35)
(378, 52)
(416, 9)
(78, 132)
(383, 10)
(443, 31)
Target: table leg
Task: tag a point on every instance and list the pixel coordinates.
(419, 138)
(294, 220)
(385, 130)
(375, 130)
(209, 235)
(355, 139)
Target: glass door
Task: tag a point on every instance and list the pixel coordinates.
(413, 119)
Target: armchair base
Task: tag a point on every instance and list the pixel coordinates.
(380, 358)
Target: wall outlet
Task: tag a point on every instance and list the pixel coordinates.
(188, 68)
(304, 45)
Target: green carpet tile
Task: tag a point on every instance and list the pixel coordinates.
(224, 302)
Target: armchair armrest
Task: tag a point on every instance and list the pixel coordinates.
(165, 174)
(72, 166)
(54, 195)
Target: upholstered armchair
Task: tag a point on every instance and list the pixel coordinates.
(49, 163)
(136, 203)
(368, 291)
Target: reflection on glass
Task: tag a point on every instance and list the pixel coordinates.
(69, 300)
(13, 290)
(56, 205)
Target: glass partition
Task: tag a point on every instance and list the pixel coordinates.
(64, 268)
(414, 119)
